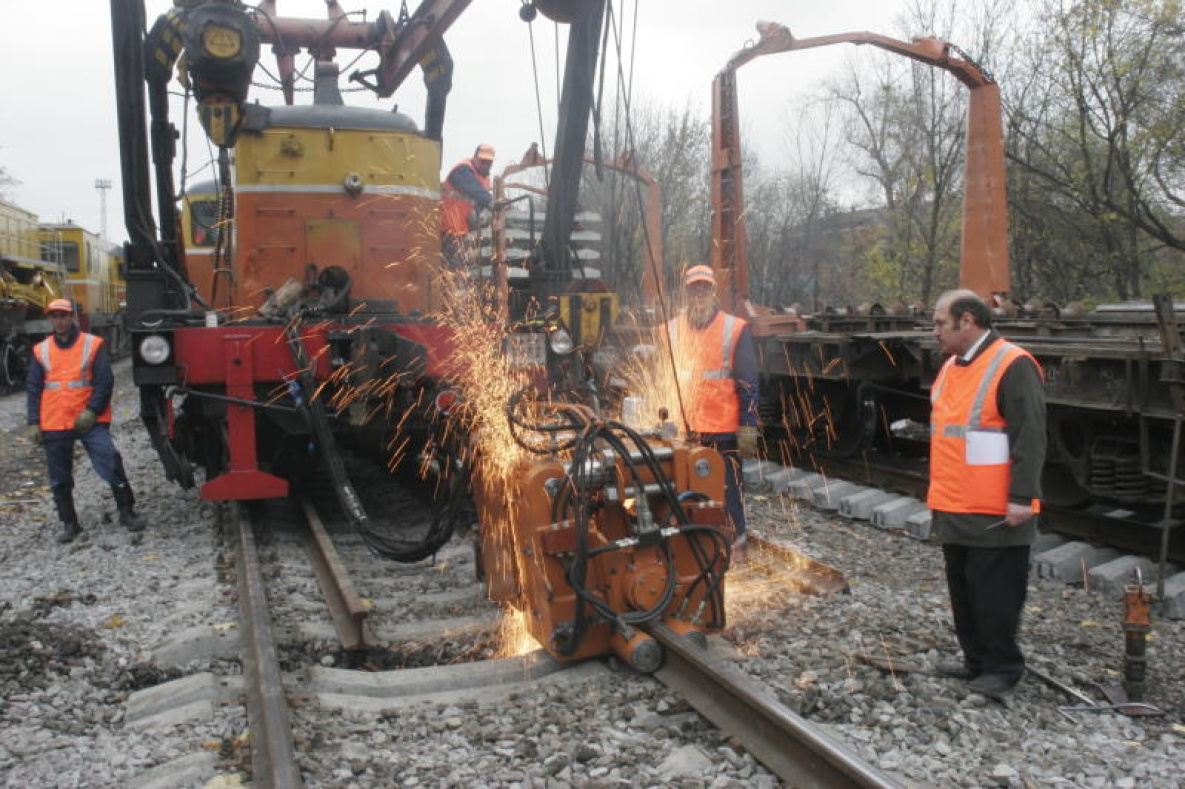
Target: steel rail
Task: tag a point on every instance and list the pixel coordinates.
(345, 606)
(273, 754)
(793, 748)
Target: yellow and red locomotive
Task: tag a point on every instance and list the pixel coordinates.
(309, 265)
(298, 302)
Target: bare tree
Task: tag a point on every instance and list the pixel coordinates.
(1104, 128)
(792, 254)
(672, 145)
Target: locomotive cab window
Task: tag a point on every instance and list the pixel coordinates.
(203, 230)
(64, 253)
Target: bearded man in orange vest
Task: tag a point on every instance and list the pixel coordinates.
(466, 203)
(69, 387)
(717, 372)
(987, 448)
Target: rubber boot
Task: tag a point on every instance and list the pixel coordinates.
(125, 503)
(64, 502)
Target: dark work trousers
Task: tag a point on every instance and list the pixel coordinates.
(458, 252)
(59, 452)
(734, 502)
(987, 594)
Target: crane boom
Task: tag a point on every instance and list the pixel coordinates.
(983, 254)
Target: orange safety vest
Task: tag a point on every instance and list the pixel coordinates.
(68, 380)
(970, 462)
(704, 357)
(455, 207)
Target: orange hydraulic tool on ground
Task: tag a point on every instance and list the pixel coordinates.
(616, 530)
(984, 250)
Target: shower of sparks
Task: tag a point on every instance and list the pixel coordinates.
(650, 371)
(514, 636)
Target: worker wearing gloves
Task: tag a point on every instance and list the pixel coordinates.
(69, 386)
(717, 372)
(466, 204)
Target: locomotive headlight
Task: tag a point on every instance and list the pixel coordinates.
(221, 42)
(154, 349)
(560, 342)
(526, 349)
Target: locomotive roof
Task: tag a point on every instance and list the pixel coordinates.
(321, 116)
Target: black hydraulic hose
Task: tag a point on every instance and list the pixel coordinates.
(317, 420)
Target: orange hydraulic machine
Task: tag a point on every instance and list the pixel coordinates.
(613, 530)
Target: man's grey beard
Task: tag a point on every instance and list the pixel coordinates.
(699, 316)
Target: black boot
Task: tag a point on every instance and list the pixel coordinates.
(64, 502)
(125, 502)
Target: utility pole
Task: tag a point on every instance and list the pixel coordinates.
(103, 184)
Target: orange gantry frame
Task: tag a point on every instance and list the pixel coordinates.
(984, 250)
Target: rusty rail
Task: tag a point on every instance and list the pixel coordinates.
(345, 606)
(793, 748)
(273, 754)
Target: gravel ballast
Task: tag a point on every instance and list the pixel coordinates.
(78, 623)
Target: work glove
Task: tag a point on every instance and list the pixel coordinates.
(747, 442)
(85, 421)
(33, 433)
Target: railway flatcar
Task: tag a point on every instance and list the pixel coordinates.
(854, 385)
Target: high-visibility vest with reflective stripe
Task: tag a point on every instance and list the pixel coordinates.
(455, 206)
(704, 358)
(970, 461)
(68, 381)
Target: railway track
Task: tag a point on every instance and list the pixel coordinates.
(791, 747)
(356, 641)
(788, 745)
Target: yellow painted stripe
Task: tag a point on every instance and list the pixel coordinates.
(410, 191)
(323, 156)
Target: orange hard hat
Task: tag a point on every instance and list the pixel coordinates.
(699, 273)
(484, 151)
(60, 305)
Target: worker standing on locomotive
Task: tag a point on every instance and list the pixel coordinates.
(987, 448)
(69, 386)
(466, 204)
(717, 372)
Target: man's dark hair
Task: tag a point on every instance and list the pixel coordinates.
(974, 305)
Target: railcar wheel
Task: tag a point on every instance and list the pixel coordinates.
(6, 378)
(13, 365)
(836, 420)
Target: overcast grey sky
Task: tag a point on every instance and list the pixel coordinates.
(58, 131)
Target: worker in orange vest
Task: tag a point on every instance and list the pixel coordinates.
(716, 362)
(987, 448)
(69, 386)
(466, 204)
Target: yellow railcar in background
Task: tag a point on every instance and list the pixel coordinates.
(94, 279)
(27, 284)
